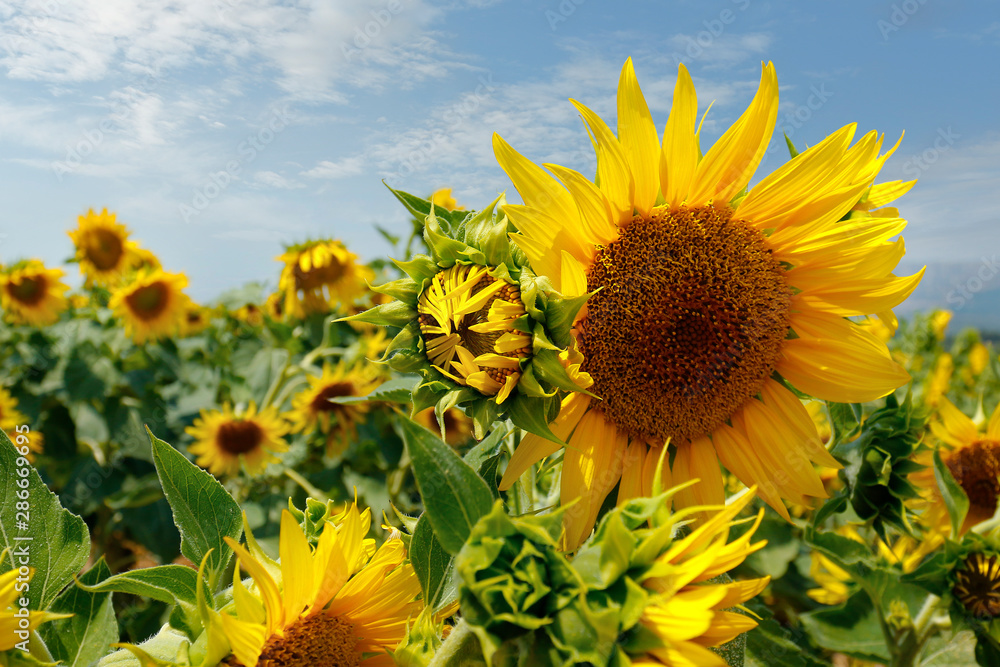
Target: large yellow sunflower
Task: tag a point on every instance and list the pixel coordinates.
(104, 250)
(973, 458)
(10, 625)
(708, 300)
(343, 602)
(224, 438)
(312, 408)
(153, 306)
(31, 294)
(320, 275)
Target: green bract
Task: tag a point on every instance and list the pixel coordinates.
(479, 239)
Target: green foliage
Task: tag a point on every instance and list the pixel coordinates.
(84, 638)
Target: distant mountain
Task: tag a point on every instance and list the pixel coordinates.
(970, 290)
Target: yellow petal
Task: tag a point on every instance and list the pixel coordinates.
(780, 448)
(599, 224)
(960, 429)
(698, 460)
(793, 413)
(993, 427)
(574, 280)
(245, 639)
(863, 296)
(613, 172)
(679, 156)
(739, 458)
(538, 189)
(265, 584)
(885, 193)
(632, 467)
(729, 164)
(637, 135)
(592, 466)
(533, 448)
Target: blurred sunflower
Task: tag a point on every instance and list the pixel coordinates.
(152, 306)
(196, 320)
(697, 287)
(467, 322)
(939, 323)
(340, 603)
(31, 294)
(977, 585)
(103, 249)
(9, 592)
(250, 314)
(318, 276)
(457, 427)
(939, 380)
(442, 198)
(273, 307)
(11, 418)
(973, 459)
(224, 438)
(313, 409)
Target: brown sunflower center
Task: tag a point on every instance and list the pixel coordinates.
(149, 301)
(688, 323)
(105, 249)
(977, 585)
(239, 437)
(316, 277)
(28, 291)
(976, 468)
(322, 401)
(316, 641)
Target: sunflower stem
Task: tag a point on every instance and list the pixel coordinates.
(313, 492)
(912, 642)
(460, 649)
(37, 647)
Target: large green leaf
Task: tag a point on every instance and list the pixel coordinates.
(204, 512)
(85, 637)
(433, 566)
(454, 495)
(955, 498)
(852, 628)
(40, 533)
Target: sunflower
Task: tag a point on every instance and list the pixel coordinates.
(103, 248)
(196, 320)
(313, 409)
(320, 275)
(467, 322)
(977, 585)
(152, 306)
(442, 198)
(708, 302)
(31, 294)
(250, 314)
(11, 418)
(343, 602)
(689, 613)
(225, 438)
(457, 427)
(10, 591)
(274, 307)
(973, 459)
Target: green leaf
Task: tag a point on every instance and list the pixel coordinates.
(845, 420)
(852, 628)
(560, 314)
(529, 414)
(173, 584)
(955, 499)
(84, 638)
(433, 565)
(204, 512)
(392, 314)
(397, 390)
(454, 495)
(792, 150)
(50, 539)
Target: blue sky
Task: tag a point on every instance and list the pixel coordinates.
(142, 106)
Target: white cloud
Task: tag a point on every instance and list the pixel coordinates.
(349, 166)
(273, 179)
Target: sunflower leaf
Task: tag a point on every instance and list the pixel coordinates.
(454, 495)
(433, 565)
(203, 510)
(37, 532)
(955, 499)
(82, 639)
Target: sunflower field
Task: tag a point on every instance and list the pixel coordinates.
(650, 416)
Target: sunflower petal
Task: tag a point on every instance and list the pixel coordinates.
(637, 135)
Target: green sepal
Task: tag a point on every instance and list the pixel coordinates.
(490, 233)
(392, 314)
(403, 289)
(792, 150)
(549, 368)
(446, 250)
(525, 412)
(420, 208)
(408, 338)
(421, 270)
(955, 498)
(529, 385)
(560, 313)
